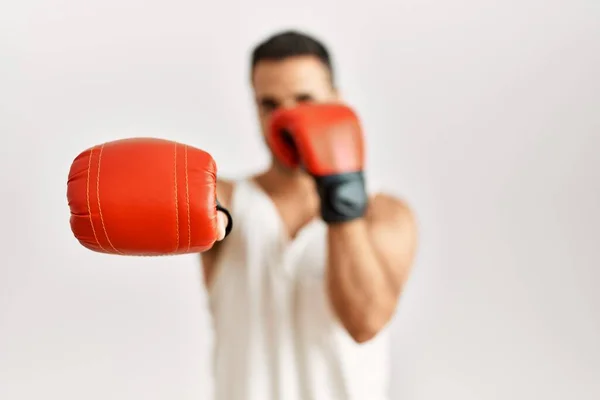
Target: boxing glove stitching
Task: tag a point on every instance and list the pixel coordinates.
(98, 199)
(187, 197)
(176, 202)
(88, 198)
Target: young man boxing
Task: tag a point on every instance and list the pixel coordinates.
(307, 278)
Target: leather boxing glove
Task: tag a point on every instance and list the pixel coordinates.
(144, 197)
(327, 141)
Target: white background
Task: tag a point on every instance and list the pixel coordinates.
(484, 115)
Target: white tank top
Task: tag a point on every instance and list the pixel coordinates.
(276, 337)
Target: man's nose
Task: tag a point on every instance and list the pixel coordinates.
(289, 103)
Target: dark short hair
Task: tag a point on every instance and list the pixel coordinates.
(289, 44)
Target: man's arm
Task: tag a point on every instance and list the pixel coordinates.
(369, 262)
(209, 258)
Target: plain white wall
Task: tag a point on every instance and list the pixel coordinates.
(484, 115)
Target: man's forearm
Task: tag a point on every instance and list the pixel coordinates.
(359, 287)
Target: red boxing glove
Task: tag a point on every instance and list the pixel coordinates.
(144, 197)
(327, 141)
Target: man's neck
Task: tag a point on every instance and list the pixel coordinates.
(294, 193)
(276, 181)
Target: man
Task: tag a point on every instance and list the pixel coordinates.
(304, 285)
(301, 306)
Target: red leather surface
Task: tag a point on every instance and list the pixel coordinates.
(328, 138)
(143, 196)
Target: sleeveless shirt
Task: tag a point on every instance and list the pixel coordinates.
(276, 335)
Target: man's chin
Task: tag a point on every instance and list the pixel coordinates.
(291, 172)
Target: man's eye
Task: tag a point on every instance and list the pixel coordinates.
(268, 105)
(305, 98)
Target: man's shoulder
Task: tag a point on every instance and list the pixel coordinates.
(385, 200)
(225, 191)
(387, 207)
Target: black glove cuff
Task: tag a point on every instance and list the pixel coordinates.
(229, 219)
(343, 196)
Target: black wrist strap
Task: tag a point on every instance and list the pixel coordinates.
(343, 196)
(229, 219)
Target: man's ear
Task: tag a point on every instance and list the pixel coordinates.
(337, 95)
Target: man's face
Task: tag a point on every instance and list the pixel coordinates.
(289, 82)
